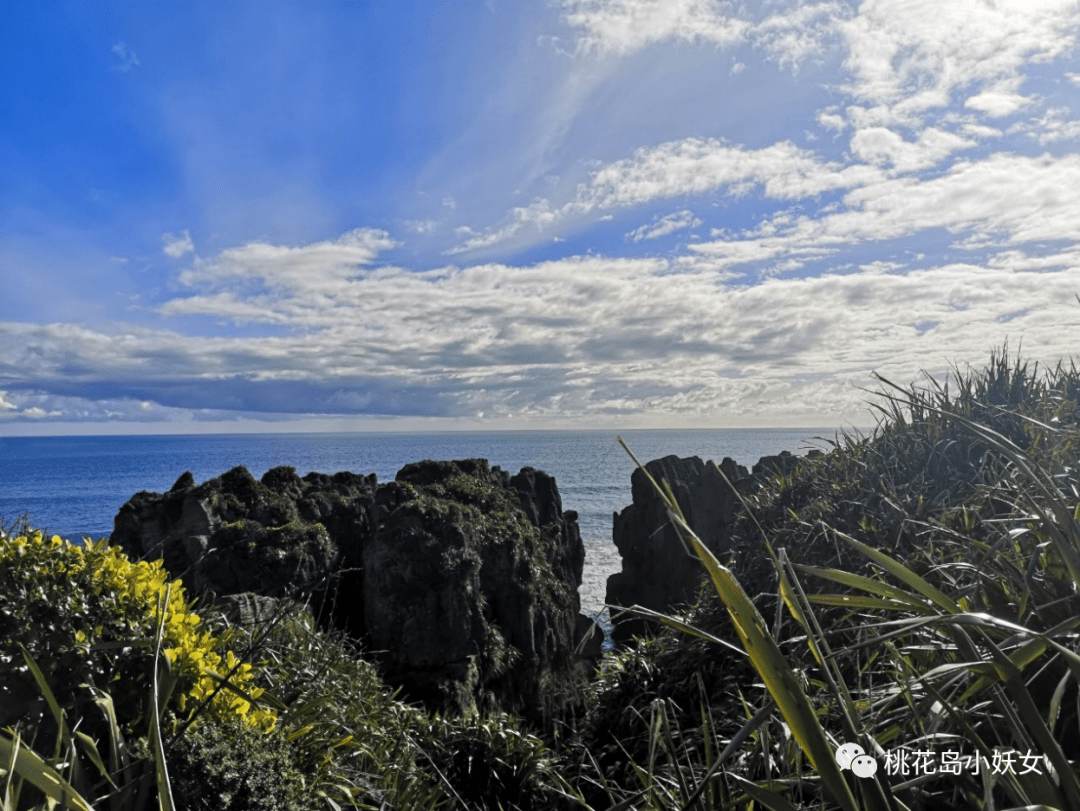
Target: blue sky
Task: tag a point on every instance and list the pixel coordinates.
(578, 213)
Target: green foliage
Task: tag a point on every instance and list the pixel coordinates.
(356, 745)
(232, 767)
(88, 615)
(951, 545)
(920, 465)
(491, 763)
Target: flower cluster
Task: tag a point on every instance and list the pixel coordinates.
(89, 615)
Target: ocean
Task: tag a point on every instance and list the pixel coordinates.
(74, 486)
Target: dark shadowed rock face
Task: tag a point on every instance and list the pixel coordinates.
(658, 572)
(233, 534)
(496, 582)
(461, 579)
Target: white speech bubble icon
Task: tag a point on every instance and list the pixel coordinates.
(864, 766)
(846, 753)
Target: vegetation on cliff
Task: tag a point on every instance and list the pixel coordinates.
(914, 591)
(927, 610)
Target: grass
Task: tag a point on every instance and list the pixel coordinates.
(961, 636)
(914, 591)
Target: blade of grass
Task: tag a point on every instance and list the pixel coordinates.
(769, 799)
(157, 746)
(772, 666)
(903, 574)
(867, 584)
(677, 624)
(795, 598)
(766, 657)
(32, 768)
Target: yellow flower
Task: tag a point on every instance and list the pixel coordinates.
(135, 593)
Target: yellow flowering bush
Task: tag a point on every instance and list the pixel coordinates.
(89, 616)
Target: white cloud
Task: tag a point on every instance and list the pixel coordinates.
(980, 131)
(422, 226)
(691, 166)
(696, 166)
(798, 32)
(802, 32)
(576, 338)
(832, 121)
(314, 267)
(882, 146)
(621, 27)
(1004, 199)
(662, 226)
(908, 59)
(36, 413)
(177, 246)
(1054, 126)
(128, 58)
(1000, 100)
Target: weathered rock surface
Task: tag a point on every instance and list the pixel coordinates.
(658, 572)
(460, 578)
(234, 534)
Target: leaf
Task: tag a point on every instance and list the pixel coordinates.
(31, 767)
(855, 601)
(772, 666)
(858, 581)
(904, 574)
(769, 799)
(677, 624)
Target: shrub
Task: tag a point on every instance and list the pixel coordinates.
(491, 763)
(950, 545)
(233, 767)
(89, 617)
(355, 743)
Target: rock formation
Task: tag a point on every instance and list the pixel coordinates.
(461, 579)
(658, 572)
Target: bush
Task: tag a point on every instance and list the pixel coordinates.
(355, 743)
(232, 767)
(948, 548)
(493, 764)
(89, 617)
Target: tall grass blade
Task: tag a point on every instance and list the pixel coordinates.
(676, 624)
(795, 598)
(904, 574)
(737, 741)
(769, 799)
(32, 768)
(771, 664)
(157, 746)
(886, 590)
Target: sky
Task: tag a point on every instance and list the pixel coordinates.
(363, 215)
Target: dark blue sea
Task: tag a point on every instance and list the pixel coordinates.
(74, 486)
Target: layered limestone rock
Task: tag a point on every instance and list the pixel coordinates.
(658, 571)
(461, 579)
(233, 534)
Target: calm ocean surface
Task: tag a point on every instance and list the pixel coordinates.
(74, 486)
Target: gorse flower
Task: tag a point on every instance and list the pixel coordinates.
(90, 616)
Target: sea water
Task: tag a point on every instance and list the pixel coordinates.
(74, 486)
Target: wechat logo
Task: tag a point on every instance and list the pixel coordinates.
(854, 757)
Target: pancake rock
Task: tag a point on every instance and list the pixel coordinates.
(461, 579)
(658, 571)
